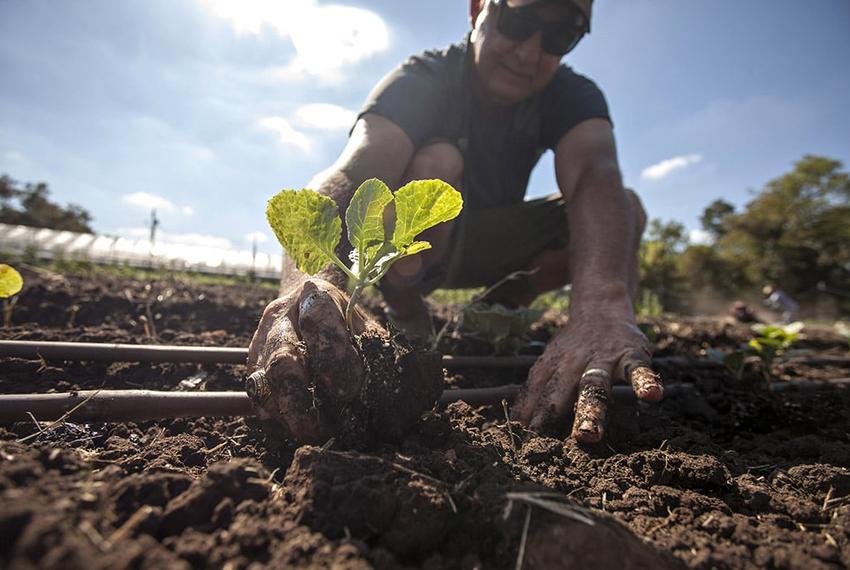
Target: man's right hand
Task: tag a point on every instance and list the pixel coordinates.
(307, 374)
(308, 320)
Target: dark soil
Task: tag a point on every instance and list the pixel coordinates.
(737, 477)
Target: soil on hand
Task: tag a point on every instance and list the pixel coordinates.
(735, 476)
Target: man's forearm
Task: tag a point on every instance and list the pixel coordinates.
(602, 244)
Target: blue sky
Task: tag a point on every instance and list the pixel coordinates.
(205, 108)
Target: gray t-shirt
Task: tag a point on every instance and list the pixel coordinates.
(428, 97)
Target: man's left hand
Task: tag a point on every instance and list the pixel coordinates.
(582, 361)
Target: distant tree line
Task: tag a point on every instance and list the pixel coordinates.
(794, 234)
(29, 205)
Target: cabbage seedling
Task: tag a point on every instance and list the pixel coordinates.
(11, 283)
(309, 228)
(771, 341)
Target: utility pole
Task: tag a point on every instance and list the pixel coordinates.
(254, 257)
(154, 224)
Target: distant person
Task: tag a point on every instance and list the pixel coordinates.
(781, 302)
(742, 312)
(478, 115)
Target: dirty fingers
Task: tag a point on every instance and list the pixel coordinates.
(592, 405)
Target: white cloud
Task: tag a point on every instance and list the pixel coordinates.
(285, 131)
(190, 238)
(660, 170)
(259, 236)
(149, 201)
(198, 239)
(325, 116)
(699, 237)
(326, 37)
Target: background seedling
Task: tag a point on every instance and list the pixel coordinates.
(496, 324)
(769, 342)
(11, 283)
(308, 226)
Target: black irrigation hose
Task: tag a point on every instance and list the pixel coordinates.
(146, 405)
(113, 352)
(196, 354)
(121, 352)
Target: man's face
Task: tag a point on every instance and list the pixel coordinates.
(507, 71)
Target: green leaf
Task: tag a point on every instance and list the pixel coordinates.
(11, 281)
(308, 227)
(364, 219)
(416, 247)
(420, 205)
(392, 255)
(496, 323)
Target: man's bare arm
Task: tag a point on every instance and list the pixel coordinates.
(600, 340)
(377, 148)
(602, 225)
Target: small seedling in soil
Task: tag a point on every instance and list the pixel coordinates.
(11, 284)
(500, 326)
(770, 342)
(308, 226)
(503, 328)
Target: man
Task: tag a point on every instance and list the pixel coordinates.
(781, 302)
(478, 115)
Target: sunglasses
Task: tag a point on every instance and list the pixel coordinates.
(518, 23)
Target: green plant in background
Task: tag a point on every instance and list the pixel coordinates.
(773, 340)
(308, 226)
(11, 284)
(769, 342)
(497, 324)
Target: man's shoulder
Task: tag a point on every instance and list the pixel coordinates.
(566, 79)
(438, 59)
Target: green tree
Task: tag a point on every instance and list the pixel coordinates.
(796, 231)
(660, 280)
(715, 217)
(31, 206)
(700, 266)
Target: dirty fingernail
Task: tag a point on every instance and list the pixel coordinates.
(647, 384)
(588, 431)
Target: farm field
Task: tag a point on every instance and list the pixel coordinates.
(730, 475)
